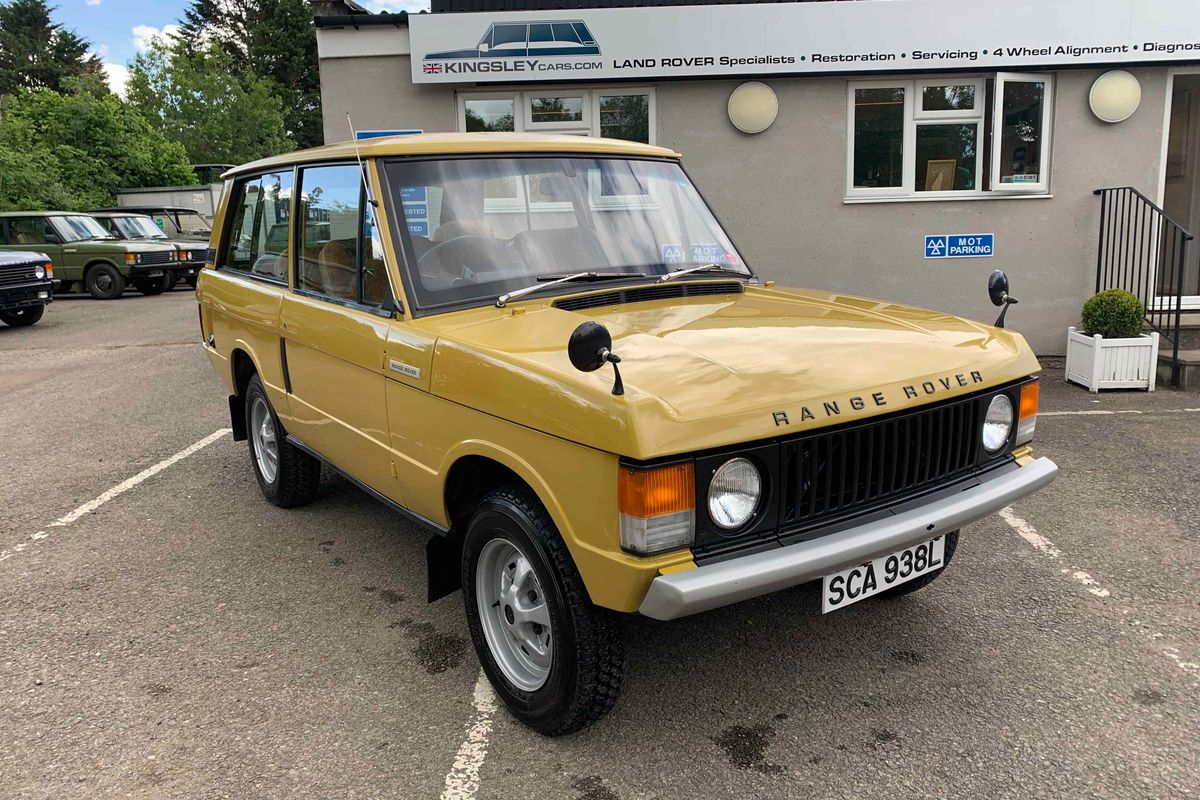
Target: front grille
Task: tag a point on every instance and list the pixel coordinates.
(641, 294)
(827, 475)
(16, 274)
(154, 259)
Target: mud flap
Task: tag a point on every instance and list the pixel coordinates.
(443, 555)
(237, 417)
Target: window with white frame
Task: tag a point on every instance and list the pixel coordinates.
(615, 113)
(949, 137)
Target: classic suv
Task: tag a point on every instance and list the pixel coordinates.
(26, 287)
(559, 37)
(82, 250)
(548, 353)
(141, 228)
(182, 225)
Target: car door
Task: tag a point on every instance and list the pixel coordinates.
(34, 234)
(335, 324)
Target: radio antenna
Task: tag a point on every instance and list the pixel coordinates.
(361, 167)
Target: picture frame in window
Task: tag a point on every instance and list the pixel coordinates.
(1019, 138)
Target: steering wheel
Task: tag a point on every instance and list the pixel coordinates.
(489, 247)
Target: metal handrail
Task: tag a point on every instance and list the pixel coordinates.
(1143, 250)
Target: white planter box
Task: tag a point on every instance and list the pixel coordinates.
(1100, 363)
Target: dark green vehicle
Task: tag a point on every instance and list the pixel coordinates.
(83, 251)
(133, 227)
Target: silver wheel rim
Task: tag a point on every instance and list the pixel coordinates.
(266, 446)
(514, 614)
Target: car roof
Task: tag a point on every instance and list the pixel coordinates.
(142, 208)
(115, 212)
(454, 144)
(43, 213)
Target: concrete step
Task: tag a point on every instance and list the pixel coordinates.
(1189, 368)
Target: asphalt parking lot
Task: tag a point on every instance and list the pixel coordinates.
(174, 635)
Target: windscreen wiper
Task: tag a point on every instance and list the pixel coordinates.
(670, 276)
(546, 281)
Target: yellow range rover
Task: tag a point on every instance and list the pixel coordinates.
(546, 351)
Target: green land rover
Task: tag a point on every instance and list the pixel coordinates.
(82, 250)
(133, 227)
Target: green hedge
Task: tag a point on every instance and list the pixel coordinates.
(1114, 314)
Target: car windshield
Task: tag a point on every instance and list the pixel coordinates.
(191, 222)
(77, 227)
(138, 228)
(478, 228)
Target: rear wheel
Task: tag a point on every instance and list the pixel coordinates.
(555, 659)
(153, 286)
(287, 476)
(105, 282)
(909, 587)
(22, 317)
(172, 279)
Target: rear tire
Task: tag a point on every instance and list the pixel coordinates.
(514, 560)
(153, 286)
(23, 317)
(287, 476)
(172, 279)
(105, 282)
(920, 583)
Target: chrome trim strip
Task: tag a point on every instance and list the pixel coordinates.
(691, 591)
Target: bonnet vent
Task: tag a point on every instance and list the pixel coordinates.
(643, 293)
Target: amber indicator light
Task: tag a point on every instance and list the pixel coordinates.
(657, 491)
(1029, 400)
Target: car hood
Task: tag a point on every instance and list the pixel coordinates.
(705, 372)
(110, 246)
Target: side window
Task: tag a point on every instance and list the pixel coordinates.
(342, 255)
(258, 231)
(29, 230)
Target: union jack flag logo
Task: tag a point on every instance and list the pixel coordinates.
(432, 68)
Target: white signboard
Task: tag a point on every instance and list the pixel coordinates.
(798, 38)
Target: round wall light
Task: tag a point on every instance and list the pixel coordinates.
(1115, 96)
(753, 107)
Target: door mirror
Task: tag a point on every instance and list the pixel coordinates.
(52, 238)
(590, 348)
(484, 47)
(998, 287)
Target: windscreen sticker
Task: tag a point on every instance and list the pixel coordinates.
(696, 254)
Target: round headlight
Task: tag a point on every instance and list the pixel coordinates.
(997, 424)
(39, 271)
(734, 493)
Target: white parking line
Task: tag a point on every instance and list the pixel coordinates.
(1047, 548)
(462, 781)
(1097, 412)
(116, 491)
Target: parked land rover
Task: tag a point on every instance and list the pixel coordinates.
(83, 251)
(548, 353)
(141, 228)
(26, 287)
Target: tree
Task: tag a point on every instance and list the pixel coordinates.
(271, 39)
(72, 151)
(36, 53)
(195, 97)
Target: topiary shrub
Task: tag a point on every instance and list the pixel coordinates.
(1114, 314)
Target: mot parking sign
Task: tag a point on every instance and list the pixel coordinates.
(960, 245)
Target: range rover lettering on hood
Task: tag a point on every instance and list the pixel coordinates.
(833, 408)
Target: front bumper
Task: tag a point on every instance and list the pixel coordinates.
(714, 585)
(26, 295)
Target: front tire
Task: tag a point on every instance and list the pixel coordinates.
(105, 282)
(23, 317)
(287, 476)
(556, 660)
(153, 286)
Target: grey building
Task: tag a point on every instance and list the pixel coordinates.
(841, 141)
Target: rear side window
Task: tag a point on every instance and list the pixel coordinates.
(341, 252)
(257, 243)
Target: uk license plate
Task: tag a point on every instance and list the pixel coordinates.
(154, 273)
(878, 575)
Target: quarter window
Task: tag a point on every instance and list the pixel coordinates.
(341, 251)
(937, 138)
(258, 239)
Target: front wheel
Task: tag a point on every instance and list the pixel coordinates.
(23, 317)
(153, 286)
(556, 660)
(287, 476)
(105, 282)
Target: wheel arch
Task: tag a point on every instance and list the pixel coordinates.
(97, 261)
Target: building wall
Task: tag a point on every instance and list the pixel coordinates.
(780, 193)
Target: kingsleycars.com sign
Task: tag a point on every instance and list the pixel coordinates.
(798, 38)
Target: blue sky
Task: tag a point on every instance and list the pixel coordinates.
(118, 28)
